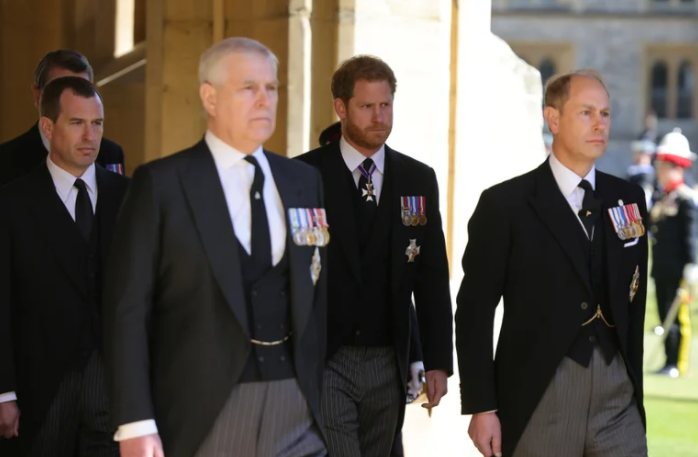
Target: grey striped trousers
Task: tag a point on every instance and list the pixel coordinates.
(361, 400)
(77, 424)
(264, 419)
(586, 412)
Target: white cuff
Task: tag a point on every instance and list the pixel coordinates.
(9, 396)
(136, 430)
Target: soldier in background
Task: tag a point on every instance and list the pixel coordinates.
(674, 226)
(641, 172)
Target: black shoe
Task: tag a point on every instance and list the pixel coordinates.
(670, 370)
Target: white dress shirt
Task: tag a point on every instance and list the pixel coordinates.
(568, 182)
(64, 183)
(354, 158)
(236, 175)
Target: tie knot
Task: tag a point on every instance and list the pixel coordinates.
(586, 185)
(252, 160)
(80, 184)
(367, 164)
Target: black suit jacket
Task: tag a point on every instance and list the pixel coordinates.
(24, 153)
(43, 288)
(674, 226)
(427, 277)
(176, 324)
(524, 246)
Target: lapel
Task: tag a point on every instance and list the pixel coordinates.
(609, 195)
(59, 229)
(302, 289)
(400, 186)
(555, 212)
(108, 204)
(340, 208)
(204, 192)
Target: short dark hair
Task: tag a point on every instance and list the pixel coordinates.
(50, 105)
(362, 67)
(62, 58)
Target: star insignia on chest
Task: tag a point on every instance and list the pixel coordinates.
(368, 192)
(412, 251)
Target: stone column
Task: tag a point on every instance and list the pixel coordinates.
(28, 30)
(414, 39)
(178, 31)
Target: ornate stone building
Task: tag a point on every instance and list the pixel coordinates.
(647, 50)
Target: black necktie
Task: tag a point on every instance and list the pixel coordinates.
(83, 209)
(590, 208)
(260, 237)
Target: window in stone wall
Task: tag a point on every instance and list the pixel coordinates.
(671, 79)
(659, 84)
(685, 86)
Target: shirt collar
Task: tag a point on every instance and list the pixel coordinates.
(65, 181)
(225, 155)
(567, 180)
(44, 140)
(354, 158)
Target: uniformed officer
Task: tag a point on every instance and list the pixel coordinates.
(641, 172)
(674, 226)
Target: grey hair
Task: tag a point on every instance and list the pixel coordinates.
(211, 58)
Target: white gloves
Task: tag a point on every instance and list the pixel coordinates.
(690, 273)
(414, 387)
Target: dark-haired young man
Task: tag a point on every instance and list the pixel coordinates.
(22, 154)
(55, 229)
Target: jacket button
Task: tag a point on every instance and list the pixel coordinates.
(592, 338)
(254, 292)
(358, 332)
(282, 293)
(281, 326)
(259, 327)
(261, 359)
(282, 358)
(585, 305)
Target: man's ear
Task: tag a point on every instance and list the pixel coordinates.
(340, 108)
(208, 95)
(46, 126)
(552, 118)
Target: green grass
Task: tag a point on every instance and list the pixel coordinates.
(671, 404)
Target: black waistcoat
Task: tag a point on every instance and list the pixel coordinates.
(268, 312)
(596, 332)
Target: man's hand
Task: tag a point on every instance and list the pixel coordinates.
(437, 387)
(144, 446)
(486, 433)
(9, 419)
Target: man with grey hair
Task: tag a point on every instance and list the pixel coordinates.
(215, 309)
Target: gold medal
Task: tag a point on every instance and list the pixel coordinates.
(310, 238)
(325, 236)
(319, 237)
(415, 221)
